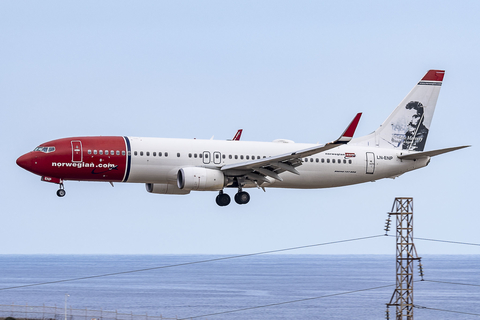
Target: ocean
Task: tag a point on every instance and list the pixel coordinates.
(263, 287)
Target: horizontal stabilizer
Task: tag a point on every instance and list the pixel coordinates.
(419, 155)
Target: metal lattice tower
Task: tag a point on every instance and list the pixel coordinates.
(402, 297)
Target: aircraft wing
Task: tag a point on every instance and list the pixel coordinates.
(274, 165)
(419, 155)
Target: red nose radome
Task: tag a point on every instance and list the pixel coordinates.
(26, 161)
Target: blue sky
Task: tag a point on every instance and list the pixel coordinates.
(296, 70)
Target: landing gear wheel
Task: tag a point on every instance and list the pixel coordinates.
(223, 199)
(61, 193)
(242, 197)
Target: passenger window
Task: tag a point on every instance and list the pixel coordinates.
(223, 156)
(118, 152)
(333, 160)
(166, 154)
(311, 159)
(206, 155)
(344, 161)
(123, 153)
(159, 154)
(178, 155)
(241, 157)
(236, 157)
(306, 160)
(194, 155)
(141, 153)
(200, 155)
(229, 156)
(89, 151)
(328, 160)
(258, 157)
(148, 153)
(112, 152)
(349, 161)
(100, 152)
(189, 155)
(217, 156)
(154, 154)
(316, 160)
(135, 153)
(323, 160)
(247, 157)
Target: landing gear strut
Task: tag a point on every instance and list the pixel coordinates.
(222, 199)
(61, 192)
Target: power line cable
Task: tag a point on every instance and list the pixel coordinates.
(287, 302)
(444, 310)
(444, 241)
(449, 241)
(455, 283)
(190, 263)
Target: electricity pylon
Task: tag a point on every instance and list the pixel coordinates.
(402, 297)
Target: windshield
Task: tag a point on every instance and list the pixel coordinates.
(45, 149)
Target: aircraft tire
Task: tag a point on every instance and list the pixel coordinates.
(61, 193)
(242, 197)
(223, 200)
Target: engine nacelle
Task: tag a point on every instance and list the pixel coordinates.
(163, 188)
(201, 179)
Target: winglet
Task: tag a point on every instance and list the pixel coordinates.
(237, 135)
(347, 135)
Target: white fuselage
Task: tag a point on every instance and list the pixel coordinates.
(157, 160)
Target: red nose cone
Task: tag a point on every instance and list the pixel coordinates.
(26, 161)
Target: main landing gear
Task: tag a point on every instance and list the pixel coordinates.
(241, 197)
(222, 199)
(61, 192)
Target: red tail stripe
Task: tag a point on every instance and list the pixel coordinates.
(434, 75)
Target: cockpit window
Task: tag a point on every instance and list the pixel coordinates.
(45, 149)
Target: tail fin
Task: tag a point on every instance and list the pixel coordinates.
(408, 126)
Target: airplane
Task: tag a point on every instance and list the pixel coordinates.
(179, 166)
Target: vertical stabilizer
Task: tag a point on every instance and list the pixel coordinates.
(408, 126)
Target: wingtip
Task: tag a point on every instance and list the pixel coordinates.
(238, 135)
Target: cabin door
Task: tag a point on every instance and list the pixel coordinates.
(77, 154)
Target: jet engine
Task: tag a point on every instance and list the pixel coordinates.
(201, 179)
(164, 188)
